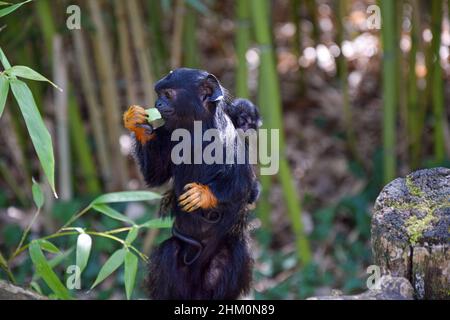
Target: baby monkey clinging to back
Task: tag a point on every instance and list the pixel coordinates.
(207, 257)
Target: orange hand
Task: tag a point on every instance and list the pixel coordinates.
(135, 119)
(197, 196)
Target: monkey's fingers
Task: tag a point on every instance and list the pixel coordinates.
(190, 185)
(135, 120)
(194, 207)
(191, 205)
(189, 198)
(188, 193)
(197, 191)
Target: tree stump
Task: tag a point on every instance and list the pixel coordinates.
(410, 231)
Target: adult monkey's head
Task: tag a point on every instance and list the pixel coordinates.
(186, 95)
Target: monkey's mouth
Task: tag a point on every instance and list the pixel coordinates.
(166, 114)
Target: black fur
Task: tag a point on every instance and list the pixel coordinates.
(244, 114)
(223, 269)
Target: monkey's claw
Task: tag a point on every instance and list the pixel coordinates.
(196, 196)
(135, 120)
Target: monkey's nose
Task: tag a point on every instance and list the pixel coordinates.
(158, 105)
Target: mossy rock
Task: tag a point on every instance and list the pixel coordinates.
(410, 231)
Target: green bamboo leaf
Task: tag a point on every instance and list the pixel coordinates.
(3, 263)
(12, 8)
(55, 262)
(132, 235)
(160, 223)
(28, 73)
(48, 246)
(84, 244)
(110, 212)
(35, 286)
(46, 272)
(4, 60)
(131, 265)
(114, 262)
(42, 141)
(38, 195)
(126, 196)
(4, 88)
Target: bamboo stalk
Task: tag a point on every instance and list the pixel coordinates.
(142, 51)
(446, 112)
(81, 148)
(401, 84)
(159, 52)
(124, 50)
(47, 25)
(110, 100)
(80, 145)
(296, 19)
(94, 107)
(242, 44)
(190, 48)
(176, 44)
(343, 79)
(312, 8)
(264, 206)
(272, 100)
(389, 89)
(62, 130)
(437, 88)
(413, 94)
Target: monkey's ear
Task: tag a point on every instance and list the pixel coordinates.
(211, 89)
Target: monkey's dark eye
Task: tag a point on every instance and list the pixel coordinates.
(168, 94)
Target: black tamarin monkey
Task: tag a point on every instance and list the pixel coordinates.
(207, 257)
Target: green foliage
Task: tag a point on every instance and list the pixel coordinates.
(28, 73)
(114, 262)
(11, 8)
(48, 246)
(157, 224)
(39, 134)
(110, 212)
(4, 88)
(46, 272)
(131, 265)
(127, 254)
(38, 196)
(132, 235)
(54, 262)
(126, 196)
